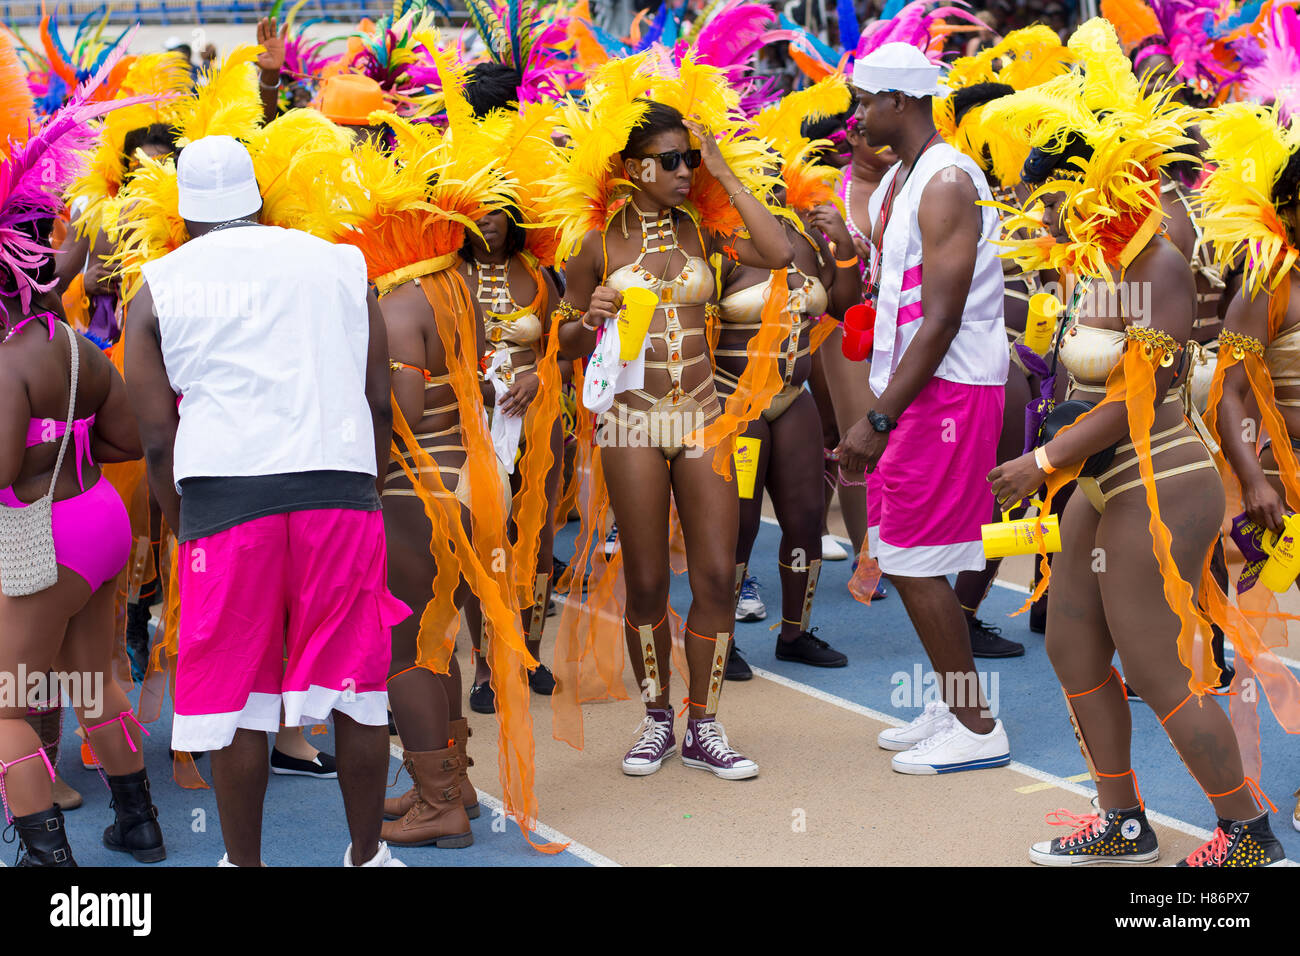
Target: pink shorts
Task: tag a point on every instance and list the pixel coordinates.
(930, 494)
(309, 584)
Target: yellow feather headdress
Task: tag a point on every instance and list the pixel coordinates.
(528, 157)
(158, 74)
(1249, 147)
(1023, 59)
(1111, 193)
(414, 203)
(301, 163)
(807, 183)
(587, 187)
(229, 104)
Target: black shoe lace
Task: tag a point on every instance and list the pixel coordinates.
(811, 635)
(986, 628)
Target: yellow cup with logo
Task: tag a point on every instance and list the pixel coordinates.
(1006, 537)
(746, 458)
(1041, 321)
(1283, 564)
(634, 321)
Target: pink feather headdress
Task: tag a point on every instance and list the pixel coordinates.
(927, 30)
(1187, 41)
(34, 176)
(1273, 74)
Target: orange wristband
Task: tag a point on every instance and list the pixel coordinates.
(1040, 456)
(846, 263)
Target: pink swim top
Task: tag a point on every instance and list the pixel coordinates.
(41, 431)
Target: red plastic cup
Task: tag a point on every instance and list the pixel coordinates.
(859, 331)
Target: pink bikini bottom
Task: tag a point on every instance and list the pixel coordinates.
(92, 533)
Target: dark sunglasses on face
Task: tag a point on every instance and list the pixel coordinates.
(669, 161)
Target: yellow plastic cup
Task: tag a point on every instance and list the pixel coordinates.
(746, 458)
(1041, 321)
(634, 321)
(1006, 537)
(1283, 564)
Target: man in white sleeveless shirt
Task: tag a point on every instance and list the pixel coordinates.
(937, 372)
(258, 368)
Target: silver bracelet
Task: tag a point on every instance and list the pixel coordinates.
(265, 87)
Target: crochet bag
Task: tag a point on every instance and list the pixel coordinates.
(27, 560)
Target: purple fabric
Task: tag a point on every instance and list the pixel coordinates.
(103, 318)
(1036, 412)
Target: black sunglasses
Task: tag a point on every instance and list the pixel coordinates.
(669, 161)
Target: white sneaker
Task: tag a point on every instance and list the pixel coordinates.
(955, 748)
(832, 550)
(933, 719)
(749, 606)
(383, 858)
(611, 541)
(225, 861)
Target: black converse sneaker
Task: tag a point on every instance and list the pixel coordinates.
(1240, 843)
(1121, 836)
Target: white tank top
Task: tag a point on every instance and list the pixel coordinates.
(978, 354)
(264, 336)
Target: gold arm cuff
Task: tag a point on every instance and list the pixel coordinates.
(1240, 344)
(566, 312)
(389, 281)
(1153, 339)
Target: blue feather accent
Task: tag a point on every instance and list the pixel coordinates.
(481, 25)
(58, 44)
(673, 28)
(54, 96)
(822, 50)
(613, 46)
(512, 8)
(105, 53)
(655, 30)
(81, 27)
(892, 9)
(102, 344)
(850, 32)
(1247, 14)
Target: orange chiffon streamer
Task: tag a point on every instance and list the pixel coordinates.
(760, 380)
(530, 504)
(489, 547)
(589, 645)
(1259, 625)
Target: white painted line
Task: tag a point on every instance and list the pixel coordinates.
(1024, 769)
(581, 851)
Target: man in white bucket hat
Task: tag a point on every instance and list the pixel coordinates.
(258, 363)
(938, 370)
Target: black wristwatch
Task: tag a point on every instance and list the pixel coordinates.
(881, 422)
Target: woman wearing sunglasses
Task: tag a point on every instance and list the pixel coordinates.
(652, 242)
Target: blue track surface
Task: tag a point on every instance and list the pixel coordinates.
(304, 817)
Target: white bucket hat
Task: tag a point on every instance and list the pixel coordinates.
(898, 68)
(215, 180)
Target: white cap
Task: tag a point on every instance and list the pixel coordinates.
(898, 68)
(173, 42)
(215, 179)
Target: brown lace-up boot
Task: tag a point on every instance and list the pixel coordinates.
(437, 815)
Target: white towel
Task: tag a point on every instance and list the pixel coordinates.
(506, 429)
(606, 374)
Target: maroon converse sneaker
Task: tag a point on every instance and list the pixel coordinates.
(706, 748)
(654, 744)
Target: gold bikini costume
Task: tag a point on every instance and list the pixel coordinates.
(508, 326)
(666, 419)
(743, 309)
(397, 485)
(1089, 354)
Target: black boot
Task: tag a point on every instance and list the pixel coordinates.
(135, 828)
(44, 839)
